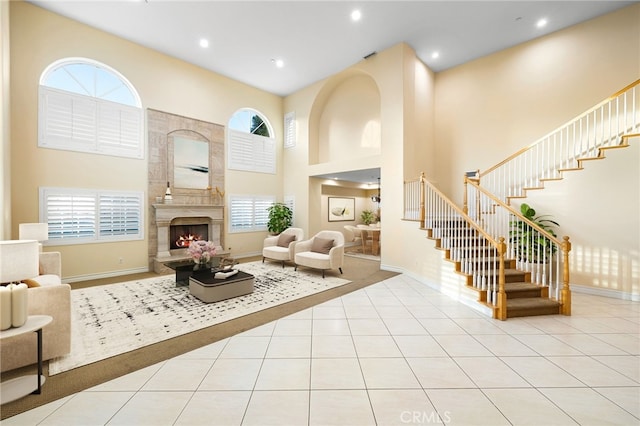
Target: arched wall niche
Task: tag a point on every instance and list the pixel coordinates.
(345, 119)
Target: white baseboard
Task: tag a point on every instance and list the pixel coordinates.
(112, 274)
(605, 292)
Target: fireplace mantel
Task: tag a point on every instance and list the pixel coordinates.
(165, 213)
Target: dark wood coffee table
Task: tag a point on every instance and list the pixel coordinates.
(185, 268)
(205, 287)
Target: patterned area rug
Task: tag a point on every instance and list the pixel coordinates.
(113, 319)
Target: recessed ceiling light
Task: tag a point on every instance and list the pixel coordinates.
(435, 55)
(204, 43)
(278, 62)
(356, 15)
(541, 23)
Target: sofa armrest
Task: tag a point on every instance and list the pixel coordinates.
(55, 301)
(303, 246)
(51, 263)
(270, 241)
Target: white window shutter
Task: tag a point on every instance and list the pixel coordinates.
(253, 153)
(290, 129)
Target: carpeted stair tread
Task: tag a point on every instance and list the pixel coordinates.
(530, 306)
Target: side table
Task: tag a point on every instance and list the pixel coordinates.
(22, 386)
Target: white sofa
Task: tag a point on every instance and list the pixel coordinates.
(282, 247)
(51, 298)
(324, 251)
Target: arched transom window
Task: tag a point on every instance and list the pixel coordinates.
(250, 142)
(87, 106)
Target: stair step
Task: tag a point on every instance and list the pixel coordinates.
(511, 276)
(522, 290)
(531, 306)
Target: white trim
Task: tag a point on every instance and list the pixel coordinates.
(87, 277)
(605, 292)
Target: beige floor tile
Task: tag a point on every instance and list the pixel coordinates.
(232, 374)
(626, 398)
(541, 372)
(361, 312)
(477, 409)
(527, 407)
(627, 342)
(211, 351)
(331, 327)
(591, 372)
(588, 407)
(336, 373)
(245, 347)
(588, 344)
(405, 327)
(215, 408)
(179, 375)
(289, 347)
(151, 409)
(293, 328)
(328, 312)
(388, 373)
(490, 372)
(461, 345)
(284, 374)
(332, 347)
(419, 346)
(86, 408)
(368, 327)
(439, 373)
(628, 365)
(437, 326)
(376, 347)
(38, 414)
(130, 382)
(339, 408)
(403, 407)
(547, 345)
(388, 312)
(277, 408)
(504, 345)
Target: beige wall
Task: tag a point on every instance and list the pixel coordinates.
(164, 83)
(492, 107)
(5, 163)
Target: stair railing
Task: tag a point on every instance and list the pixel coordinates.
(606, 125)
(475, 253)
(533, 249)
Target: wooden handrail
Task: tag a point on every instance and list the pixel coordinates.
(577, 118)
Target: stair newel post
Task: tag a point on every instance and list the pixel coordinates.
(566, 291)
(502, 295)
(422, 200)
(465, 197)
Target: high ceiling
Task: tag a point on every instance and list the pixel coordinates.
(316, 39)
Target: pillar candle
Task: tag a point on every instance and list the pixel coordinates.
(5, 307)
(19, 305)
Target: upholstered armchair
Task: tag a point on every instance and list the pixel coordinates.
(324, 251)
(281, 247)
(352, 234)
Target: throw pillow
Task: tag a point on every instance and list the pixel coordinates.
(285, 239)
(321, 245)
(31, 283)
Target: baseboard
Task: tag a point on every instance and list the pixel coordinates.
(605, 292)
(112, 274)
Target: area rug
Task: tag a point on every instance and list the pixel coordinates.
(113, 319)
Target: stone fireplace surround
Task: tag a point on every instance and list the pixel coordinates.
(201, 203)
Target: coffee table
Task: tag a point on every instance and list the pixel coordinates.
(185, 268)
(205, 287)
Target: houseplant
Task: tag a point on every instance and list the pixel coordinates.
(367, 217)
(280, 218)
(529, 244)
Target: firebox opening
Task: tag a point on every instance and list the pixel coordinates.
(181, 236)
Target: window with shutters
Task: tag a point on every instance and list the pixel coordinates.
(86, 106)
(250, 143)
(290, 130)
(82, 216)
(248, 213)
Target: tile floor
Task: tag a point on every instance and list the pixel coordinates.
(395, 353)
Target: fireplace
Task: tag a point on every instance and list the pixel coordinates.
(198, 221)
(182, 235)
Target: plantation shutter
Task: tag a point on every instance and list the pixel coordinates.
(69, 215)
(249, 213)
(250, 152)
(119, 215)
(82, 123)
(290, 130)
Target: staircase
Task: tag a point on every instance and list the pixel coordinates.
(608, 125)
(470, 251)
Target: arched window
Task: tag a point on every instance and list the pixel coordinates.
(87, 106)
(250, 142)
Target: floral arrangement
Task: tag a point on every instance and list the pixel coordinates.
(201, 251)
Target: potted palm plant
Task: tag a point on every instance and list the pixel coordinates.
(367, 217)
(280, 218)
(529, 244)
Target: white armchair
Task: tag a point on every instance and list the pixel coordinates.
(281, 247)
(324, 251)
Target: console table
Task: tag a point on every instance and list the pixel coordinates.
(22, 386)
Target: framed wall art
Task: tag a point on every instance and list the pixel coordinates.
(342, 209)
